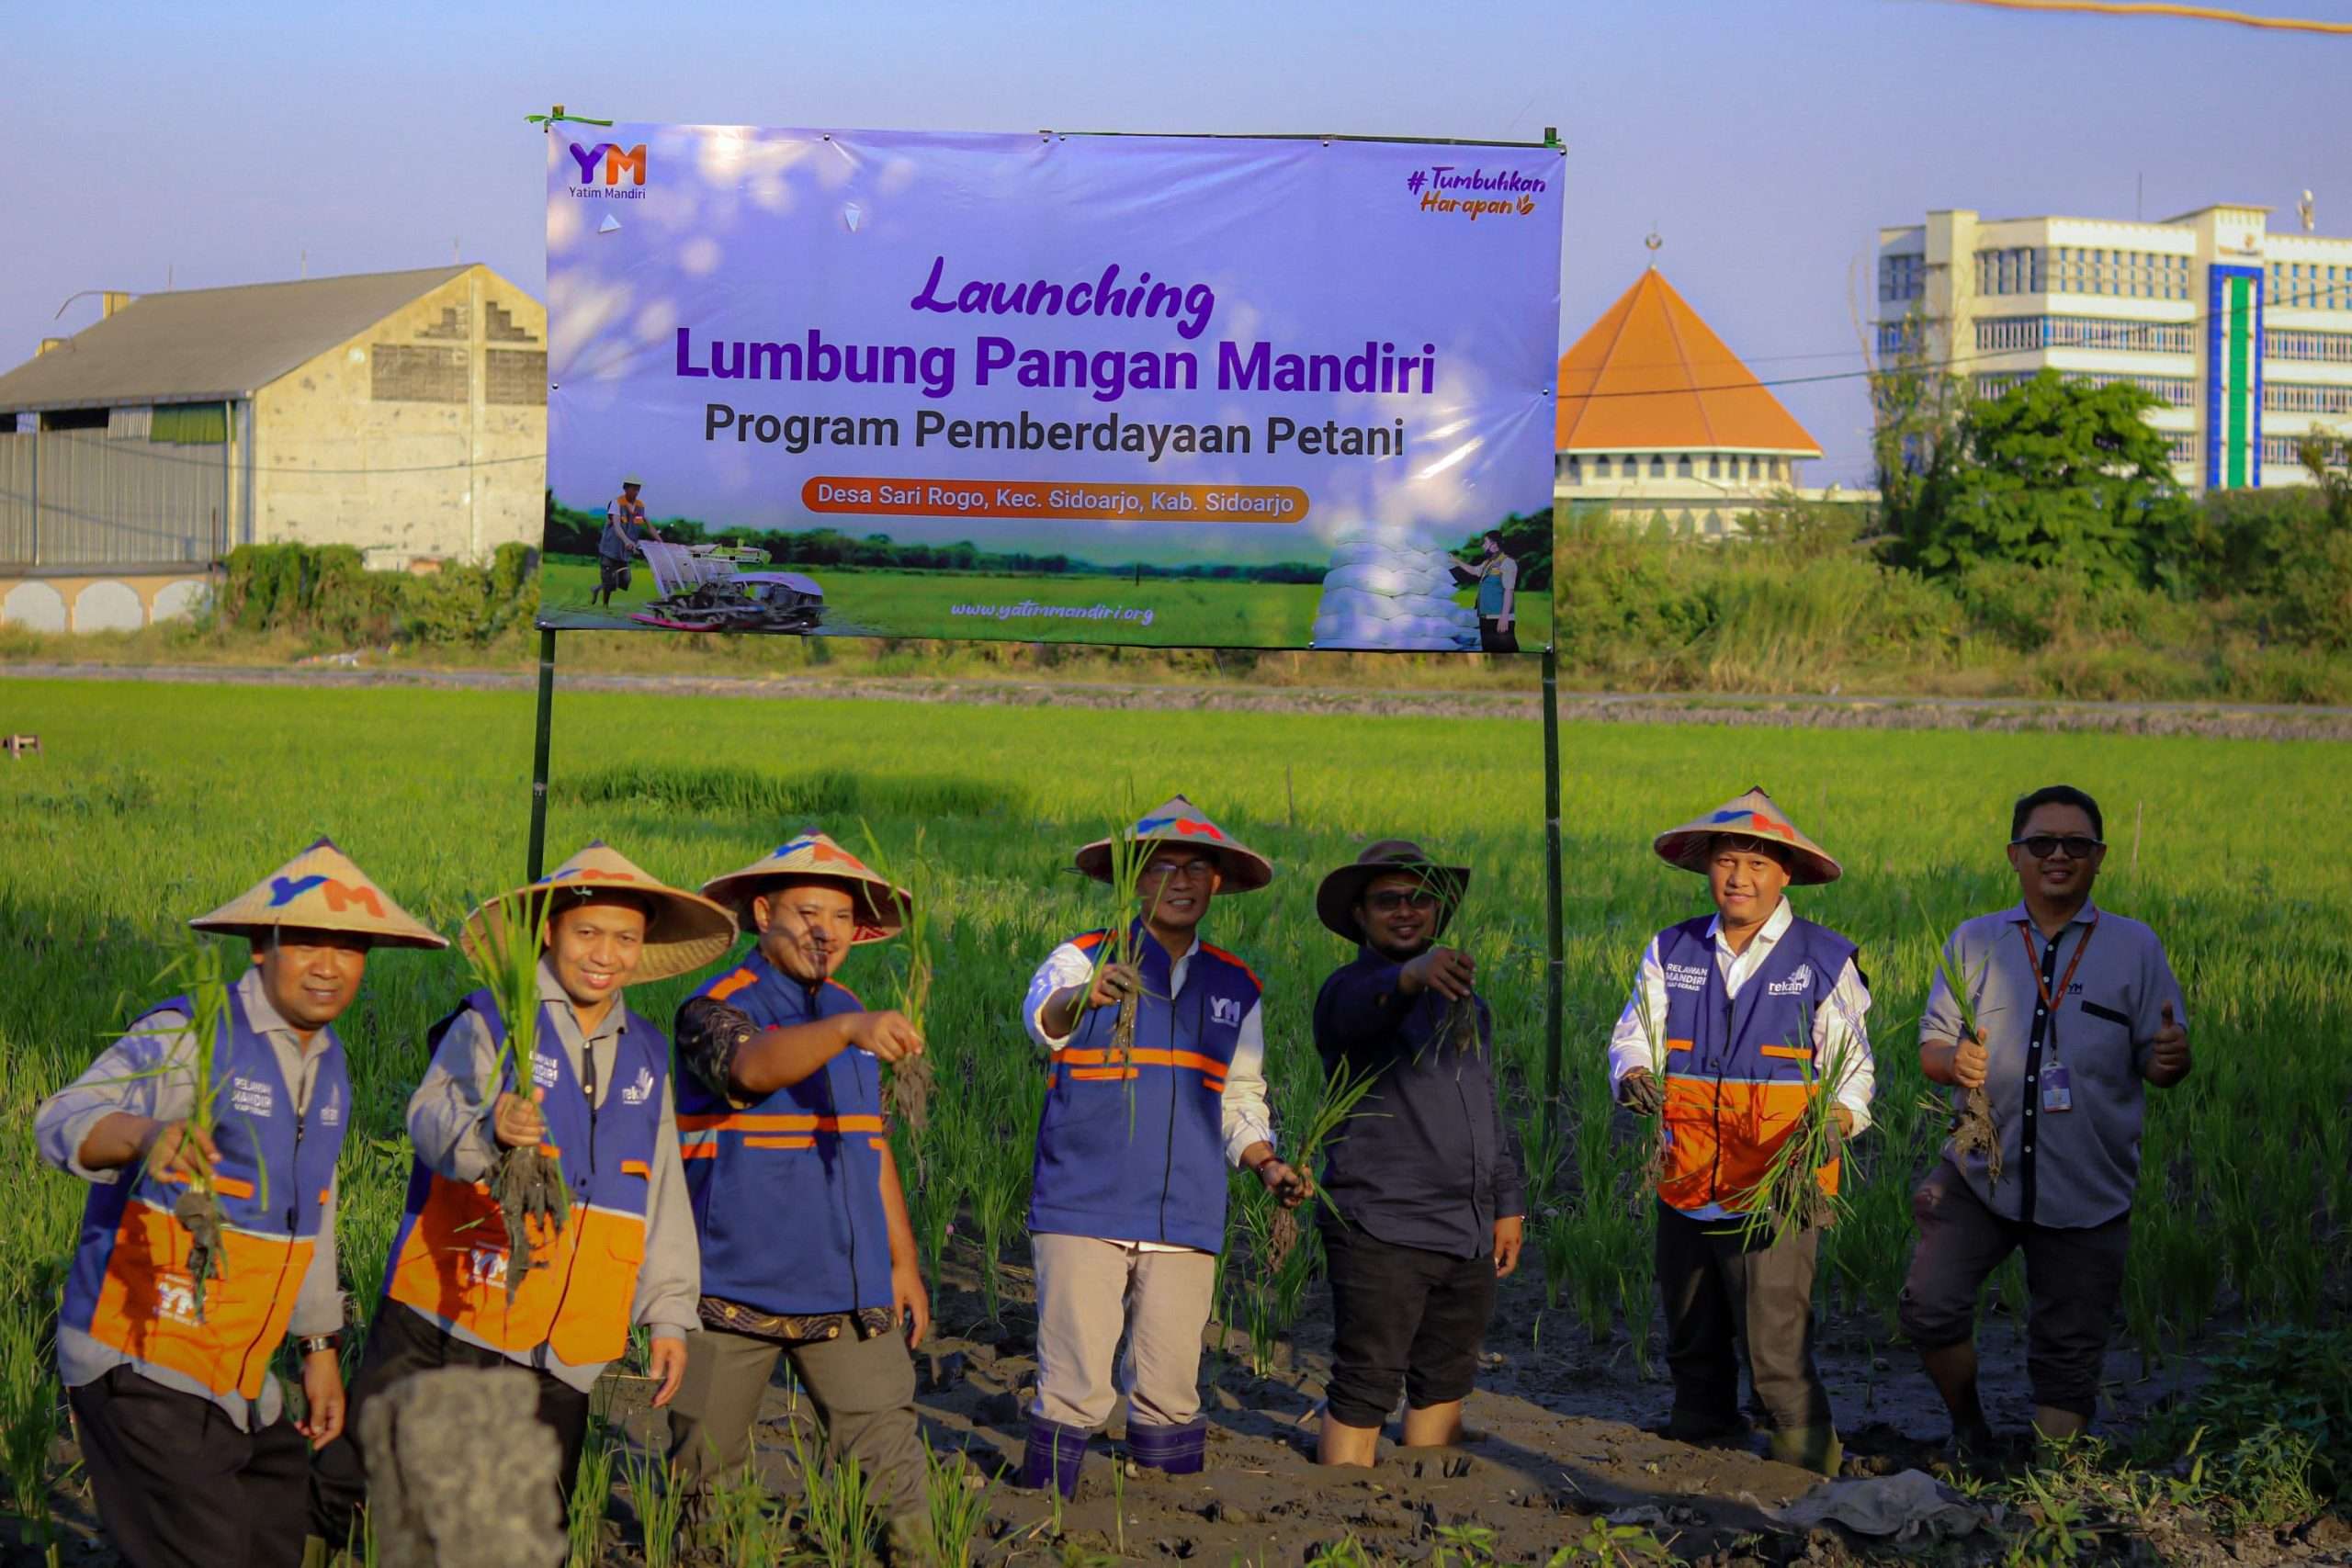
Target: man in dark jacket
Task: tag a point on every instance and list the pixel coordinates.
(1427, 1188)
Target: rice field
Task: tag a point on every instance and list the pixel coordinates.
(154, 803)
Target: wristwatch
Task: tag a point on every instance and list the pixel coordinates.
(311, 1344)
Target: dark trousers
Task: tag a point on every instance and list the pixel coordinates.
(1722, 1297)
(2072, 1280)
(1401, 1316)
(179, 1485)
(401, 1343)
(1495, 637)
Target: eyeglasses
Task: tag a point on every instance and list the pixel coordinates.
(1391, 899)
(2041, 846)
(1169, 870)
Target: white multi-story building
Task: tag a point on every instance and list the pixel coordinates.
(2244, 335)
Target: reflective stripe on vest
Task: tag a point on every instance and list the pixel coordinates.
(787, 1191)
(1737, 1069)
(129, 1287)
(449, 1260)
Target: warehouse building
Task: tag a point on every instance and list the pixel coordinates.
(2243, 334)
(403, 413)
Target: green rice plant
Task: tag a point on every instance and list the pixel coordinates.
(837, 1510)
(30, 1398)
(528, 1183)
(998, 1203)
(1973, 1129)
(197, 972)
(1122, 945)
(907, 1097)
(1652, 1121)
(1788, 1198)
(1604, 1545)
(957, 1503)
(657, 1497)
(738, 1524)
(592, 1492)
(1344, 1088)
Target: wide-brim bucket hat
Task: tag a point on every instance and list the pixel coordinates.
(881, 908)
(1178, 821)
(683, 932)
(1752, 816)
(1337, 894)
(321, 889)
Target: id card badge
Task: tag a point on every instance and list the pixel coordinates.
(2057, 1088)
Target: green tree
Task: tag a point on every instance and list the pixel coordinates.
(2054, 472)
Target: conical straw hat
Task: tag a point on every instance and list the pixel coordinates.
(321, 889)
(812, 857)
(1179, 821)
(683, 931)
(1752, 816)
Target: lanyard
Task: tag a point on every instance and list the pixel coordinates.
(2048, 1002)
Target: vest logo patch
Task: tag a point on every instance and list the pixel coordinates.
(251, 1097)
(1224, 1010)
(175, 1299)
(330, 1113)
(544, 1071)
(1686, 978)
(1796, 985)
(641, 1089)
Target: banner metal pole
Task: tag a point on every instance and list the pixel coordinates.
(545, 727)
(1556, 935)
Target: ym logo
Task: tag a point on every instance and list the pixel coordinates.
(609, 159)
(1224, 1009)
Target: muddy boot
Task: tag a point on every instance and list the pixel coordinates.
(1816, 1448)
(1056, 1453)
(1172, 1451)
(1688, 1425)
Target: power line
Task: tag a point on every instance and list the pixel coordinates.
(2162, 8)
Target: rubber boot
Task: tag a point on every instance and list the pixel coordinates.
(1172, 1451)
(1816, 1448)
(1055, 1454)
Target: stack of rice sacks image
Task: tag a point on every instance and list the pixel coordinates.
(1392, 596)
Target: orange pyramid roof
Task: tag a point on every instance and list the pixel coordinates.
(1651, 376)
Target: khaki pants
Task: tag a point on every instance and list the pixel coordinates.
(864, 1391)
(1088, 1291)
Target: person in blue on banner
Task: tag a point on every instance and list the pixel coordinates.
(1127, 1210)
(168, 1365)
(625, 531)
(807, 1250)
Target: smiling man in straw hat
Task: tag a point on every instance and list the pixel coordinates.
(1423, 1175)
(807, 1250)
(182, 1427)
(1127, 1204)
(600, 1100)
(1738, 1019)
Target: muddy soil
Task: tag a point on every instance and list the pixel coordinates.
(2249, 722)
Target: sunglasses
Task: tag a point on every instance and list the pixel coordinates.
(1389, 900)
(2076, 846)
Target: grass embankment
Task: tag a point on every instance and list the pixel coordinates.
(152, 803)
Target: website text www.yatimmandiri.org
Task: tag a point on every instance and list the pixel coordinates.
(1030, 610)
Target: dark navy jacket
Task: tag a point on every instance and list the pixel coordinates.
(1426, 1161)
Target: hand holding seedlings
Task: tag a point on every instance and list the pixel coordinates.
(181, 1151)
(1445, 970)
(519, 1124)
(1114, 985)
(1970, 1061)
(885, 1036)
(1290, 1185)
(2167, 1053)
(1640, 1092)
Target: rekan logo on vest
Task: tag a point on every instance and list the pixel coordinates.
(1796, 985)
(1224, 1010)
(601, 166)
(642, 1089)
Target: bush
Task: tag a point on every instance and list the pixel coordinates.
(323, 592)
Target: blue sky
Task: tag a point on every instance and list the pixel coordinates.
(1766, 139)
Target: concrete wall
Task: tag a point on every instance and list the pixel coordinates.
(121, 602)
(442, 404)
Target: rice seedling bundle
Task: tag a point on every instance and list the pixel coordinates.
(905, 1098)
(527, 1183)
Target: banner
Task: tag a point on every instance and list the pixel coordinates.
(1242, 392)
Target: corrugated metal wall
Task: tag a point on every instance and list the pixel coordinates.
(104, 501)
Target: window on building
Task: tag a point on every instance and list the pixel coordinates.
(2299, 397)
(59, 420)
(2310, 347)
(1715, 466)
(515, 376)
(189, 425)
(1902, 276)
(1658, 466)
(1573, 471)
(1682, 467)
(406, 373)
(2010, 333)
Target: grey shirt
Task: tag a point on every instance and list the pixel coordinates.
(2066, 1169)
(449, 1121)
(152, 1074)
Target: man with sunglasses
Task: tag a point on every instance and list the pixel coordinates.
(2078, 1011)
(1425, 1193)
